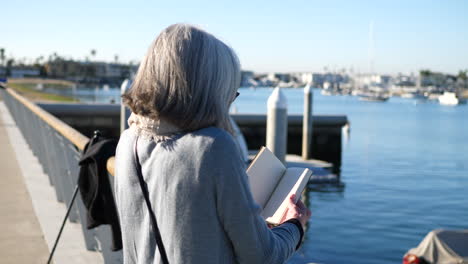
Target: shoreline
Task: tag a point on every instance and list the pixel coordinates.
(40, 81)
(27, 86)
(28, 90)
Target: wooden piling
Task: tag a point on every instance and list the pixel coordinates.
(307, 124)
(277, 124)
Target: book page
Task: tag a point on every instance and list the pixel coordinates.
(293, 182)
(264, 174)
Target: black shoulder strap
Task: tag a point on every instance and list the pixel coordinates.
(148, 204)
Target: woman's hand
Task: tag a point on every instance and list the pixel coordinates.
(297, 210)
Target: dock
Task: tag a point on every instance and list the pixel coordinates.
(327, 129)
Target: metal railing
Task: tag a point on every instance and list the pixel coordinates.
(58, 148)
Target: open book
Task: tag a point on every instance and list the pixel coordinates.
(272, 184)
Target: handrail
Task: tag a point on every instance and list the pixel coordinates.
(78, 139)
(56, 146)
(74, 136)
(110, 166)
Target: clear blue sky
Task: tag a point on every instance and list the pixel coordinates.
(267, 35)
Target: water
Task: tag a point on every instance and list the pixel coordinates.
(89, 95)
(404, 173)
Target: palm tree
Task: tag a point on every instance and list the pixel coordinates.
(9, 65)
(425, 72)
(2, 56)
(39, 59)
(462, 74)
(93, 53)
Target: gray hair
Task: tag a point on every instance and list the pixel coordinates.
(188, 77)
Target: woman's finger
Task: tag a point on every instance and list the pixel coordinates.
(292, 198)
(301, 205)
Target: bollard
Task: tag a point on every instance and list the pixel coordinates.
(124, 112)
(307, 123)
(277, 124)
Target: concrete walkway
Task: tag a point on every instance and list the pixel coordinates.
(21, 238)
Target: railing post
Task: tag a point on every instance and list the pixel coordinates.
(45, 159)
(68, 183)
(53, 164)
(277, 124)
(307, 123)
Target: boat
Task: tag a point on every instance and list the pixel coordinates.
(407, 95)
(373, 97)
(39, 86)
(326, 92)
(440, 246)
(450, 98)
(414, 95)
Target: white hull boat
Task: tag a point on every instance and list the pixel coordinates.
(449, 98)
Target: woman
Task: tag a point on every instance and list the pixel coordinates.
(198, 189)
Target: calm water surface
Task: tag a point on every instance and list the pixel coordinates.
(404, 173)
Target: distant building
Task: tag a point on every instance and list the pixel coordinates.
(302, 78)
(405, 80)
(369, 79)
(247, 78)
(279, 77)
(317, 80)
(263, 81)
(90, 72)
(111, 70)
(307, 78)
(21, 72)
(328, 79)
(68, 69)
(437, 79)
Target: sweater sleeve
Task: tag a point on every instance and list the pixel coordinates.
(252, 240)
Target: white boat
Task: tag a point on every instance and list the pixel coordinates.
(449, 98)
(414, 95)
(407, 95)
(39, 86)
(326, 92)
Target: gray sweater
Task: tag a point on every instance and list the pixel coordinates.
(202, 201)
